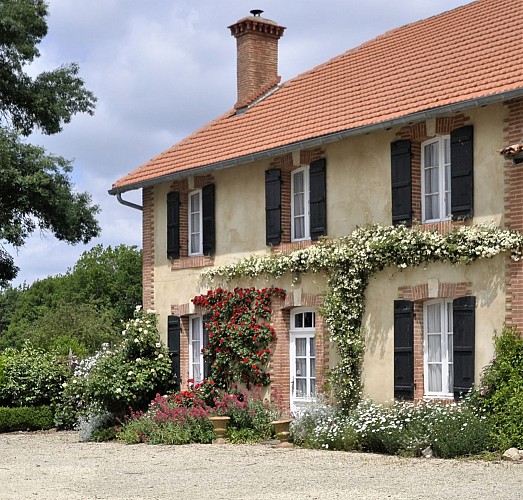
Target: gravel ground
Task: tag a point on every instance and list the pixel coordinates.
(55, 465)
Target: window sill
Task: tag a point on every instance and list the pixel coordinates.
(442, 227)
(291, 246)
(194, 261)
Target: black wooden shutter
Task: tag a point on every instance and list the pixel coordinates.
(462, 172)
(318, 198)
(464, 339)
(273, 206)
(207, 361)
(208, 224)
(401, 182)
(173, 225)
(404, 349)
(173, 345)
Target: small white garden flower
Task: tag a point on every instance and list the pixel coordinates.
(138, 308)
(118, 390)
(136, 340)
(160, 356)
(158, 344)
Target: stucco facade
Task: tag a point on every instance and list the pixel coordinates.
(347, 144)
(358, 192)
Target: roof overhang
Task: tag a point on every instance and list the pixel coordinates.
(324, 139)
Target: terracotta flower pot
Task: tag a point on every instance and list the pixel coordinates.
(219, 425)
(281, 429)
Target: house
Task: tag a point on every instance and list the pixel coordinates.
(404, 129)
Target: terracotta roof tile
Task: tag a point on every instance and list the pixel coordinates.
(469, 53)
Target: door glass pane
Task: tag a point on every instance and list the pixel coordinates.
(301, 388)
(298, 320)
(309, 320)
(434, 378)
(432, 207)
(312, 367)
(312, 347)
(450, 344)
(313, 387)
(451, 378)
(301, 367)
(195, 202)
(298, 182)
(195, 243)
(197, 374)
(301, 347)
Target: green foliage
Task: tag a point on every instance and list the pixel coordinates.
(184, 418)
(35, 187)
(239, 335)
(349, 262)
(79, 310)
(31, 377)
(128, 375)
(26, 418)
(500, 394)
(402, 429)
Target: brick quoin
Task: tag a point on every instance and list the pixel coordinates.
(514, 213)
(148, 247)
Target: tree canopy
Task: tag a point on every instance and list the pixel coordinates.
(77, 310)
(36, 191)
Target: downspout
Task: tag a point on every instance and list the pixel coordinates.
(128, 203)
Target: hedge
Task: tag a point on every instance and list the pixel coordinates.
(26, 418)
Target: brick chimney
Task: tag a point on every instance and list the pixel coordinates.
(257, 56)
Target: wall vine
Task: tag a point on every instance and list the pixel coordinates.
(350, 261)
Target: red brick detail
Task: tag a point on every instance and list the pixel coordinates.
(514, 213)
(419, 294)
(257, 57)
(280, 361)
(185, 261)
(148, 247)
(185, 309)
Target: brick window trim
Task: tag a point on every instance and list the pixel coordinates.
(417, 134)
(182, 187)
(420, 294)
(287, 164)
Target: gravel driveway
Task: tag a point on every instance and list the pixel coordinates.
(55, 465)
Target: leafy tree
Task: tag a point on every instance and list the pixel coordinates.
(35, 188)
(79, 310)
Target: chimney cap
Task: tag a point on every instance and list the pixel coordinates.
(256, 12)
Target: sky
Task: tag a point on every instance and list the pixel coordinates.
(160, 70)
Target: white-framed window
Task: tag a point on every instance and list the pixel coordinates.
(300, 220)
(303, 357)
(195, 223)
(438, 348)
(435, 179)
(195, 348)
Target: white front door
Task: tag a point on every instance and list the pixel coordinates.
(302, 359)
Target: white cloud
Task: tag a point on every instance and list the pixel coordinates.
(161, 70)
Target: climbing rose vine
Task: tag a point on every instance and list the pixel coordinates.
(350, 261)
(239, 335)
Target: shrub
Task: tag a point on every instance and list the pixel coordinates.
(113, 380)
(322, 426)
(26, 418)
(31, 377)
(403, 429)
(183, 418)
(500, 394)
(168, 422)
(250, 415)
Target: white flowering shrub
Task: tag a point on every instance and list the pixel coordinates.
(349, 262)
(128, 375)
(451, 430)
